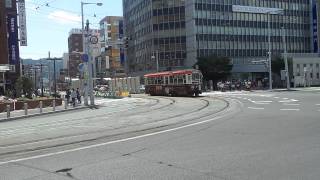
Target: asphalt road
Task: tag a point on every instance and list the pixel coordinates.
(238, 135)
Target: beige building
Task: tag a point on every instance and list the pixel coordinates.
(111, 32)
(306, 69)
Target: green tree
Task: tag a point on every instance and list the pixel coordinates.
(24, 86)
(214, 67)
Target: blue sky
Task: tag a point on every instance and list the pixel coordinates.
(48, 26)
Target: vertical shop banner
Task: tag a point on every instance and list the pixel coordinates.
(13, 45)
(122, 58)
(315, 26)
(107, 62)
(22, 23)
(121, 32)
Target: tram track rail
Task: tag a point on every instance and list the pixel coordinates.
(106, 137)
(172, 101)
(65, 121)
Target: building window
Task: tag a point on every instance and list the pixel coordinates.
(318, 76)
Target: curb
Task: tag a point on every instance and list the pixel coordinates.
(46, 113)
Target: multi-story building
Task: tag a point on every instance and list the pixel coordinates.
(75, 46)
(180, 31)
(3, 35)
(157, 34)
(112, 37)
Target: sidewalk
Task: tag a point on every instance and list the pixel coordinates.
(19, 114)
(304, 89)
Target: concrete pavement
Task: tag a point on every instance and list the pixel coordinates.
(266, 141)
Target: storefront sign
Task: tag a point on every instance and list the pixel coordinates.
(315, 26)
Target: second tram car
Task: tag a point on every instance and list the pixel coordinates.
(174, 83)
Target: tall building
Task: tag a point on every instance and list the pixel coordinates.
(180, 31)
(3, 35)
(157, 32)
(112, 34)
(75, 46)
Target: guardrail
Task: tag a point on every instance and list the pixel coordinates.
(24, 108)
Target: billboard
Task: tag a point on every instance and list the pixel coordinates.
(13, 45)
(22, 23)
(256, 10)
(315, 26)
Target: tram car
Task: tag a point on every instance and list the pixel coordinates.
(174, 83)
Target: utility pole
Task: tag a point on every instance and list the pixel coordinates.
(285, 57)
(90, 67)
(21, 66)
(35, 79)
(269, 50)
(54, 74)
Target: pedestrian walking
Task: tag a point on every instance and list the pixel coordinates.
(73, 97)
(78, 96)
(68, 94)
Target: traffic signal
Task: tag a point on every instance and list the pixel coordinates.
(126, 42)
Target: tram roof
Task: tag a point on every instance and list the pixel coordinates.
(170, 73)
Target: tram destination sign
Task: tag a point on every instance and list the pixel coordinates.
(256, 10)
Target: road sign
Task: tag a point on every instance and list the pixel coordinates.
(85, 57)
(94, 39)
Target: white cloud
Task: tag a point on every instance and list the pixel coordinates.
(64, 17)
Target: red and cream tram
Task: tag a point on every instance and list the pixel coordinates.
(174, 83)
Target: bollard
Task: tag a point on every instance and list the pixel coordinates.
(54, 105)
(65, 104)
(26, 109)
(8, 111)
(41, 105)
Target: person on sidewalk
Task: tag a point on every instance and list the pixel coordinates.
(73, 97)
(68, 93)
(78, 96)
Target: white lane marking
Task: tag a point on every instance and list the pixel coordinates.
(113, 142)
(289, 109)
(317, 104)
(256, 108)
(261, 103)
(285, 98)
(265, 101)
(276, 97)
(286, 104)
(288, 101)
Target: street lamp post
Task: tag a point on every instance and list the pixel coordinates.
(269, 50)
(285, 57)
(54, 74)
(85, 50)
